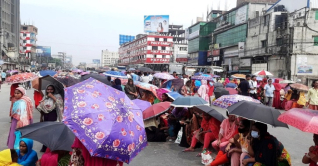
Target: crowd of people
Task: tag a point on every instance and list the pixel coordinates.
(235, 141)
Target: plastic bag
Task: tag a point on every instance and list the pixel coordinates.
(206, 158)
(17, 140)
(179, 137)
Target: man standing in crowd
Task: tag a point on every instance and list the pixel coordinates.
(253, 87)
(174, 74)
(244, 86)
(312, 96)
(269, 93)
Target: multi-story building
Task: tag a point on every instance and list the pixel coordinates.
(109, 58)
(28, 41)
(239, 2)
(153, 51)
(9, 32)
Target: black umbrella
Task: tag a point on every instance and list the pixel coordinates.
(218, 85)
(48, 80)
(98, 77)
(218, 92)
(256, 112)
(189, 102)
(55, 135)
(68, 80)
(214, 113)
(145, 69)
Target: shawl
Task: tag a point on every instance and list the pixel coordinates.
(130, 89)
(277, 86)
(227, 130)
(204, 90)
(213, 125)
(22, 109)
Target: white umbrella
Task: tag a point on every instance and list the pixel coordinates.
(263, 73)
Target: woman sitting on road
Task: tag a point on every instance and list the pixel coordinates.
(26, 155)
(265, 149)
(311, 157)
(9, 157)
(210, 128)
(227, 131)
(21, 112)
(131, 90)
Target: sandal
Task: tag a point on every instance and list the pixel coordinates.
(198, 155)
(188, 150)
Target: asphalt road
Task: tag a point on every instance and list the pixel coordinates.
(155, 154)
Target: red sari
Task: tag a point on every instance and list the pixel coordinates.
(276, 100)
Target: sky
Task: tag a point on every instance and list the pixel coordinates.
(83, 28)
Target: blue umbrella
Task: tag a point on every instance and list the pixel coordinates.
(174, 95)
(198, 74)
(131, 69)
(230, 85)
(116, 74)
(143, 105)
(47, 72)
(189, 101)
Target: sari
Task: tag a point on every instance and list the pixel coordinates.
(186, 90)
(268, 151)
(276, 100)
(6, 159)
(203, 91)
(130, 89)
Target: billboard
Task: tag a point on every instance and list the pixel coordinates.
(241, 15)
(96, 61)
(125, 38)
(43, 51)
(156, 23)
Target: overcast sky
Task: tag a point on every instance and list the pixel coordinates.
(83, 28)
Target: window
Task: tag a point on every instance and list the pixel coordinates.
(25, 28)
(24, 35)
(183, 49)
(24, 41)
(24, 48)
(316, 41)
(316, 18)
(154, 47)
(165, 39)
(163, 56)
(163, 48)
(264, 43)
(156, 39)
(279, 42)
(155, 56)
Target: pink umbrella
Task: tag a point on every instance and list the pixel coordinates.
(161, 91)
(156, 110)
(232, 91)
(164, 76)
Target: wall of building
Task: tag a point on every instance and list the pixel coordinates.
(239, 2)
(109, 58)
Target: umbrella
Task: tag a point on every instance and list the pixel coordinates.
(48, 80)
(218, 85)
(198, 74)
(263, 73)
(177, 83)
(189, 101)
(216, 76)
(20, 78)
(68, 80)
(299, 87)
(228, 100)
(232, 91)
(116, 74)
(242, 76)
(77, 70)
(164, 76)
(96, 76)
(131, 69)
(143, 105)
(304, 119)
(161, 91)
(218, 92)
(286, 82)
(174, 95)
(145, 69)
(256, 112)
(155, 110)
(210, 78)
(54, 135)
(36, 84)
(47, 72)
(85, 73)
(231, 85)
(210, 111)
(146, 86)
(105, 120)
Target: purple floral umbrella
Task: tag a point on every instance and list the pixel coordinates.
(226, 101)
(164, 76)
(105, 120)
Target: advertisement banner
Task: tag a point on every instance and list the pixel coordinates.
(125, 39)
(241, 15)
(156, 23)
(159, 43)
(216, 52)
(303, 67)
(43, 51)
(182, 60)
(157, 60)
(96, 61)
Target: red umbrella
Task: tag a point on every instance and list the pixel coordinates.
(303, 119)
(232, 91)
(156, 110)
(299, 87)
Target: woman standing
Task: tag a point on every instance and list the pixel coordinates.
(204, 90)
(21, 113)
(186, 89)
(51, 107)
(276, 100)
(130, 90)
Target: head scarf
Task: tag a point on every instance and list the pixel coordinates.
(30, 156)
(117, 84)
(227, 80)
(277, 86)
(6, 159)
(22, 90)
(22, 109)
